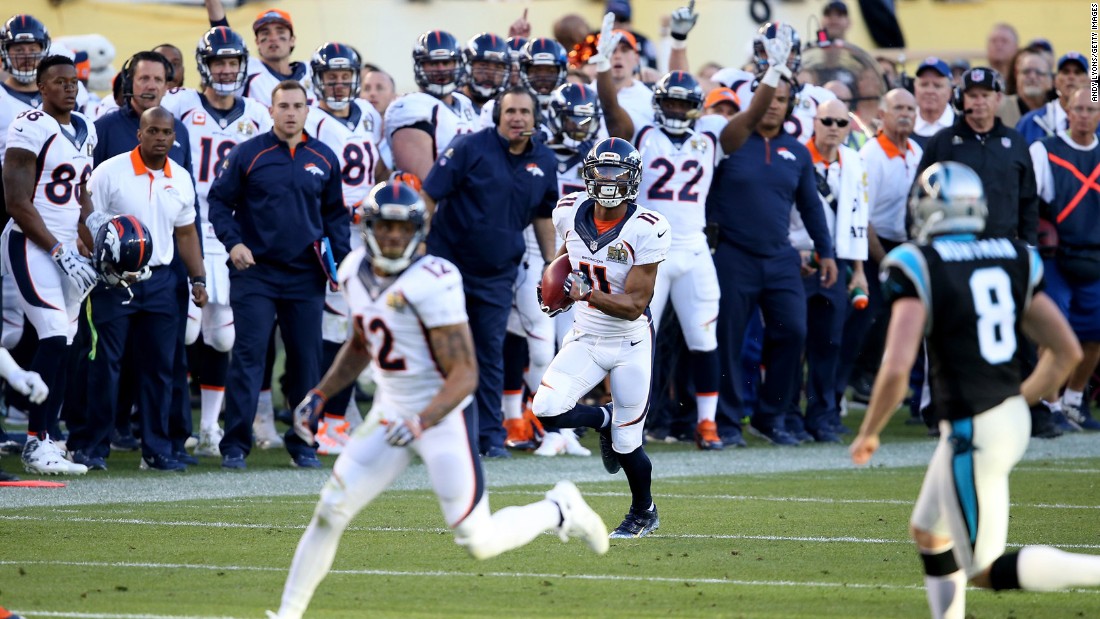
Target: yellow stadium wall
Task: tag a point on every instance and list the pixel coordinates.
(384, 30)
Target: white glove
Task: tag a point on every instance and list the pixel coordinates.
(78, 268)
(606, 45)
(307, 414)
(779, 50)
(577, 282)
(403, 432)
(29, 384)
(683, 20)
(95, 221)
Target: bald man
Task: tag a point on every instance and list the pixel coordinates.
(842, 188)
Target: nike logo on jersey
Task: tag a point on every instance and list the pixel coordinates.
(19, 129)
(636, 343)
(660, 234)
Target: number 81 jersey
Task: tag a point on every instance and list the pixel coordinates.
(64, 163)
(640, 237)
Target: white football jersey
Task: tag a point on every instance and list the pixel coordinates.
(65, 161)
(213, 134)
(641, 237)
(262, 80)
(12, 104)
(739, 81)
(801, 122)
(443, 121)
(355, 140)
(676, 178)
(394, 315)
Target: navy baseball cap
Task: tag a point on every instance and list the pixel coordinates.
(982, 77)
(936, 65)
(1074, 57)
(621, 9)
(835, 5)
(1042, 44)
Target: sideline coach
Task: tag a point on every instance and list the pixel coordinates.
(275, 197)
(489, 186)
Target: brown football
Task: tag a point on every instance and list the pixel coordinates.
(553, 280)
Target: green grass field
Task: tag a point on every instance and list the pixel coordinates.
(757, 532)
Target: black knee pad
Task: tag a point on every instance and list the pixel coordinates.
(1003, 574)
(939, 564)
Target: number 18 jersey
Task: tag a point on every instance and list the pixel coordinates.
(640, 237)
(975, 292)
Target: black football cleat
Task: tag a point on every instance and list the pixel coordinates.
(637, 523)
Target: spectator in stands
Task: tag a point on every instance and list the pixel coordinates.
(933, 90)
(1001, 46)
(718, 108)
(491, 185)
(146, 185)
(1006, 171)
(1045, 48)
(279, 264)
(1050, 119)
(1028, 87)
(835, 21)
(889, 71)
(1072, 275)
(634, 95)
(647, 51)
(958, 67)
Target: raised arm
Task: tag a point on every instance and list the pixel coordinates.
(738, 129)
(619, 123)
(682, 21)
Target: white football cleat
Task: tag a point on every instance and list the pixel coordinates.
(573, 447)
(331, 437)
(209, 441)
(553, 444)
(264, 433)
(577, 518)
(45, 458)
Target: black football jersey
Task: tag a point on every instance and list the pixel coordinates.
(976, 292)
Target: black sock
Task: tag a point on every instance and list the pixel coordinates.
(581, 416)
(639, 474)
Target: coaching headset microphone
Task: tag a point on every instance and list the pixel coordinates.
(130, 67)
(497, 113)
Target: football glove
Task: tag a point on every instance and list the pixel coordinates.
(404, 431)
(683, 20)
(78, 269)
(545, 308)
(578, 286)
(307, 414)
(606, 44)
(779, 51)
(27, 383)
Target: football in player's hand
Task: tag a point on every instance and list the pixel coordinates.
(554, 300)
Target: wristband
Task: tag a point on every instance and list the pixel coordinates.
(199, 281)
(774, 73)
(678, 43)
(55, 249)
(679, 37)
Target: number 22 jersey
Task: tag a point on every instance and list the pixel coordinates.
(641, 237)
(975, 292)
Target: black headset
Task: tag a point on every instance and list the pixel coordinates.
(127, 73)
(499, 100)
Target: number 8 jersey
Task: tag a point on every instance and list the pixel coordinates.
(975, 292)
(640, 237)
(64, 162)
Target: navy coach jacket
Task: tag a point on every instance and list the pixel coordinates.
(278, 202)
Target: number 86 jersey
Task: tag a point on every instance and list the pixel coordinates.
(64, 163)
(393, 315)
(640, 237)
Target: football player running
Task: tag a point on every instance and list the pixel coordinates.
(217, 119)
(420, 125)
(614, 246)
(573, 121)
(46, 170)
(352, 128)
(411, 322)
(972, 299)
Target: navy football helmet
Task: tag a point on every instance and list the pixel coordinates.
(948, 198)
(122, 251)
(760, 55)
(543, 52)
(489, 64)
(435, 46)
(23, 29)
(221, 42)
(393, 200)
(574, 115)
(677, 86)
(335, 57)
(612, 172)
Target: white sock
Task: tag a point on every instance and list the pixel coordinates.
(312, 561)
(1072, 398)
(1042, 568)
(264, 405)
(707, 405)
(1055, 406)
(946, 595)
(512, 404)
(212, 399)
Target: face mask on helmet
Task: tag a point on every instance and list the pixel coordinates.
(391, 247)
(24, 42)
(217, 44)
(338, 86)
(674, 114)
(948, 198)
(121, 252)
(611, 183)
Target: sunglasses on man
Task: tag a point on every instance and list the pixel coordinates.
(828, 122)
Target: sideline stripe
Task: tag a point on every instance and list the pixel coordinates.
(479, 574)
